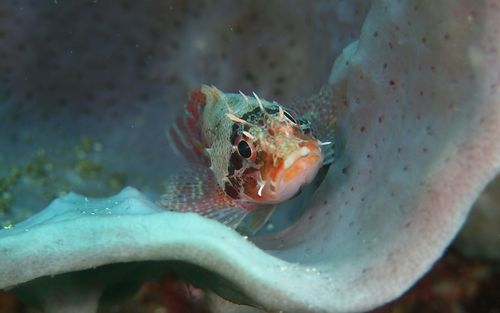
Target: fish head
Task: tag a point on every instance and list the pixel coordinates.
(279, 155)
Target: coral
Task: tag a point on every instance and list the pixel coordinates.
(417, 126)
(454, 284)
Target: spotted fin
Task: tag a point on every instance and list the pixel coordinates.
(185, 134)
(195, 190)
(320, 111)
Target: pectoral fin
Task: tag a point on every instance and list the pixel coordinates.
(256, 219)
(195, 190)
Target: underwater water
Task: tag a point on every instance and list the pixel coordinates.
(87, 98)
(88, 90)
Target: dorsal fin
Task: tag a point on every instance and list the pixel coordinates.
(185, 134)
(321, 111)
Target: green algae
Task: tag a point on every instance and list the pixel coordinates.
(51, 173)
(87, 168)
(117, 180)
(6, 184)
(40, 167)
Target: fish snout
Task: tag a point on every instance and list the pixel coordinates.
(298, 168)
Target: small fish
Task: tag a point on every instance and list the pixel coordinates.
(246, 155)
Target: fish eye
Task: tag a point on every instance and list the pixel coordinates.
(244, 149)
(289, 117)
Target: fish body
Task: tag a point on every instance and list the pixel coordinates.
(246, 153)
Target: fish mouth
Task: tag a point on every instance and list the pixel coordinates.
(297, 169)
(305, 166)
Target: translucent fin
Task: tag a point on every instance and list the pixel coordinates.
(195, 190)
(231, 217)
(185, 134)
(328, 153)
(256, 219)
(323, 171)
(321, 112)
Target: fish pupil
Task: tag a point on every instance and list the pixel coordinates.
(244, 149)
